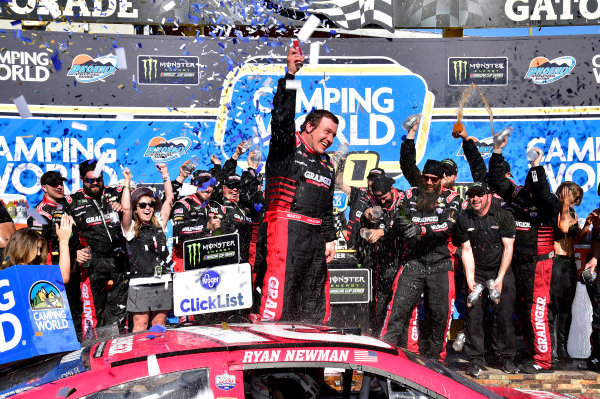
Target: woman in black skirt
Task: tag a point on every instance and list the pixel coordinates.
(150, 288)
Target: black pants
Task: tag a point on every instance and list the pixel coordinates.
(502, 315)
(104, 304)
(533, 281)
(562, 292)
(296, 281)
(594, 294)
(412, 280)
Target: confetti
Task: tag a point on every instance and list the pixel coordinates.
(121, 59)
(100, 165)
(79, 126)
(32, 212)
(315, 49)
(308, 28)
(293, 84)
(22, 107)
(169, 6)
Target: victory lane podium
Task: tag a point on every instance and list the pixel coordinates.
(35, 318)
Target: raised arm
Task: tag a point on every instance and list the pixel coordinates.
(63, 232)
(126, 201)
(167, 204)
(283, 126)
(339, 179)
(474, 158)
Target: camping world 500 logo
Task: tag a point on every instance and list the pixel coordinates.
(86, 69)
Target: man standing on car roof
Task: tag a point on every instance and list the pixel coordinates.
(299, 218)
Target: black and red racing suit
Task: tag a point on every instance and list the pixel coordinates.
(426, 268)
(190, 218)
(382, 257)
(535, 209)
(298, 221)
(104, 281)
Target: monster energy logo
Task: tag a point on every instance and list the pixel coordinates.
(150, 69)
(460, 69)
(194, 250)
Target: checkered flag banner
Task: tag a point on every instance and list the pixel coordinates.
(354, 14)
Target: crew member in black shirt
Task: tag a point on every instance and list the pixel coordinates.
(487, 234)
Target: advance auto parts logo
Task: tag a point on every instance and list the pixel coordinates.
(543, 71)
(86, 69)
(44, 296)
(168, 70)
(161, 150)
(482, 71)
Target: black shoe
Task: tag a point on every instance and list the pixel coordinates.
(509, 367)
(533, 368)
(592, 364)
(475, 369)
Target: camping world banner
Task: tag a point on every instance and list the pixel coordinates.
(140, 100)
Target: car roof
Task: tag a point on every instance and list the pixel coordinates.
(217, 338)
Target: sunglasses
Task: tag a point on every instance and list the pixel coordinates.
(233, 186)
(474, 194)
(426, 178)
(143, 205)
(55, 183)
(90, 180)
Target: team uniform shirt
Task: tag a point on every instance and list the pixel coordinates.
(190, 218)
(485, 234)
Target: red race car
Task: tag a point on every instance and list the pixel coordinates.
(244, 361)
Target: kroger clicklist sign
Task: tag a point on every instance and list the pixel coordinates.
(218, 289)
(371, 101)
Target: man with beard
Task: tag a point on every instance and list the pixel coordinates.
(53, 206)
(382, 246)
(195, 216)
(104, 263)
(535, 209)
(298, 222)
(487, 234)
(426, 265)
(408, 162)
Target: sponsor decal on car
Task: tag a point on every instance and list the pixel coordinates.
(225, 381)
(120, 345)
(296, 355)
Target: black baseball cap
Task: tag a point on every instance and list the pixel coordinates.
(51, 176)
(232, 179)
(433, 167)
(200, 176)
(382, 184)
(479, 186)
(450, 166)
(373, 173)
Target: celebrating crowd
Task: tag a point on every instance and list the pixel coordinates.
(505, 249)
